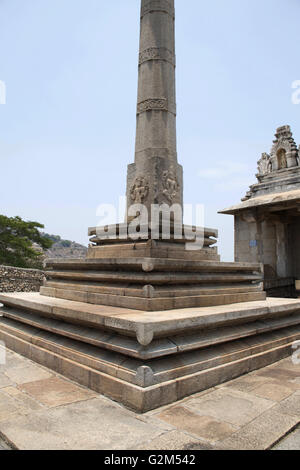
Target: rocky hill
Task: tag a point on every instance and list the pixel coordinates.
(64, 248)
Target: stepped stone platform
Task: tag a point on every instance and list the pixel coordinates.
(152, 275)
(153, 283)
(148, 359)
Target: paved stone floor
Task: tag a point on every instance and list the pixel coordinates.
(290, 442)
(4, 446)
(42, 410)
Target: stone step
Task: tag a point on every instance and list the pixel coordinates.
(151, 265)
(206, 242)
(162, 369)
(151, 291)
(151, 249)
(145, 386)
(145, 326)
(158, 348)
(165, 278)
(185, 229)
(152, 304)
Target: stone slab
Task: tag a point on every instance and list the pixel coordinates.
(232, 406)
(22, 398)
(138, 372)
(153, 304)
(265, 200)
(262, 432)
(151, 249)
(290, 442)
(158, 381)
(56, 391)
(28, 373)
(272, 392)
(145, 325)
(150, 292)
(291, 405)
(143, 399)
(160, 347)
(90, 425)
(67, 426)
(172, 440)
(204, 427)
(4, 380)
(152, 265)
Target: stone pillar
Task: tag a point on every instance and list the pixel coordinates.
(156, 177)
(282, 250)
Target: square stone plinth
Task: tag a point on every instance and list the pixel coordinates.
(147, 360)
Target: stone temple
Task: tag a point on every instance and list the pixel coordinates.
(267, 221)
(147, 321)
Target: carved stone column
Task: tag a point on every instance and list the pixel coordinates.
(156, 177)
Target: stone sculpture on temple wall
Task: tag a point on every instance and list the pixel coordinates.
(264, 165)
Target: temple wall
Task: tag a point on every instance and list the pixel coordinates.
(257, 242)
(245, 234)
(20, 280)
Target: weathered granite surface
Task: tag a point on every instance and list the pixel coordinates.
(156, 177)
(146, 360)
(41, 410)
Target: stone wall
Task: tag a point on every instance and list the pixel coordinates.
(20, 280)
(269, 243)
(246, 241)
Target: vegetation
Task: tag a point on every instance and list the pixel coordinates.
(21, 242)
(57, 239)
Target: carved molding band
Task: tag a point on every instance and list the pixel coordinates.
(157, 53)
(158, 5)
(156, 104)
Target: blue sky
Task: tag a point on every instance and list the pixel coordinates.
(67, 131)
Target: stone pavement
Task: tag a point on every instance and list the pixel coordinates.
(42, 410)
(4, 446)
(290, 442)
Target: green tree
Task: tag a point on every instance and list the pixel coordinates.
(17, 239)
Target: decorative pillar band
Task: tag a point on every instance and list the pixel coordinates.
(156, 6)
(156, 104)
(157, 53)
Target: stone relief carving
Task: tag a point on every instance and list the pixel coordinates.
(281, 157)
(284, 153)
(139, 190)
(157, 104)
(158, 5)
(264, 165)
(157, 53)
(170, 185)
